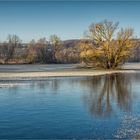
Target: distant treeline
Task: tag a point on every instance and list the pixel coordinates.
(13, 51)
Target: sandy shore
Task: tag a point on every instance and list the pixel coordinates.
(12, 72)
(30, 75)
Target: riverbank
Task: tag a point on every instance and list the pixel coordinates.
(50, 74)
(17, 72)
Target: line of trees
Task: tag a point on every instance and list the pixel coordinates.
(106, 47)
(41, 51)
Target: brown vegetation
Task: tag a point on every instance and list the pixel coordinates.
(103, 48)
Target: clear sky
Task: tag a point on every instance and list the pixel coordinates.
(68, 20)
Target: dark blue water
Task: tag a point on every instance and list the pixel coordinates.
(103, 107)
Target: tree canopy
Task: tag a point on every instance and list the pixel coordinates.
(107, 47)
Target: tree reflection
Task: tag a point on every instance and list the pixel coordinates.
(48, 84)
(103, 95)
(114, 93)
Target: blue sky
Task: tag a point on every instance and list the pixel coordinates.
(68, 20)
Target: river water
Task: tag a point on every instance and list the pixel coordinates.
(99, 107)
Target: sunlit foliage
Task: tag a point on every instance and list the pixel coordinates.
(105, 47)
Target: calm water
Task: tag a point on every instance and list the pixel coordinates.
(72, 108)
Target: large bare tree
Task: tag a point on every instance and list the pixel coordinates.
(56, 45)
(8, 48)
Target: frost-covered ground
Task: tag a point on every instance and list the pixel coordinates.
(37, 67)
(54, 67)
(37, 71)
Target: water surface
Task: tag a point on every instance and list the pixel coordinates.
(72, 108)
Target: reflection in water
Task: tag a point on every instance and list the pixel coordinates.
(52, 84)
(103, 95)
(51, 108)
(114, 91)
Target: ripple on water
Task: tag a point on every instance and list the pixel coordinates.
(130, 127)
(8, 85)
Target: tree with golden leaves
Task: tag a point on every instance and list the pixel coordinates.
(105, 47)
